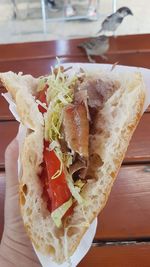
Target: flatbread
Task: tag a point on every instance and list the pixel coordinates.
(115, 125)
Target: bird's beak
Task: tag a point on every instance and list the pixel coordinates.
(130, 13)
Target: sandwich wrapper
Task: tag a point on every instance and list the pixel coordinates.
(87, 239)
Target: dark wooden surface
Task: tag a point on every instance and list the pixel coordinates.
(68, 48)
(127, 212)
(8, 130)
(40, 66)
(137, 255)
(126, 216)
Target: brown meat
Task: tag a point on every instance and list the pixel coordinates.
(76, 128)
(79, 167)
(95, 162)
(82, 97)
(80, 120)
(98, 91)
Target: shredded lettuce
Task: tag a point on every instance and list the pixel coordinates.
(59, 94)
(79, 183)
(60, 212)
(41, 83)
(53, 145)
(74, 189)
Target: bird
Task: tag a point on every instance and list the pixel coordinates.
(96, 46)
(112, 22)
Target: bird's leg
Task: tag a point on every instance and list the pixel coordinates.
(104, 57)
(91, 60)
(114, 34)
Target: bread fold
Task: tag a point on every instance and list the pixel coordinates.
(114, 127)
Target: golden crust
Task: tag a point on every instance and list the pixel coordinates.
(38, 223)
(127, 135)
(22, 88)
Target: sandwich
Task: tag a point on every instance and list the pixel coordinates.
(78, 127)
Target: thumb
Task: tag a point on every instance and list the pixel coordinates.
(11, 157)
(11, 198)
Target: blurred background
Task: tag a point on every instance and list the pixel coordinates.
(38, 20)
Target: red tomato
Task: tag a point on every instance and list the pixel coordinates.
(42, 98)
(55, 191)
(57, 188)
(44, 179)
(69, 211)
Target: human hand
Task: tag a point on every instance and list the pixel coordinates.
(15, 249)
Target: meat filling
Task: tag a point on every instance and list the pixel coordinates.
(79, 122)
(76, 128)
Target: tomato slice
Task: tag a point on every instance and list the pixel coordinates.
(42, 98)
(44, 180)
(57, 188)
(55, 191)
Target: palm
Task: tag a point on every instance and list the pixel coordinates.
(14, 238)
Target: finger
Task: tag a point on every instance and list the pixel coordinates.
(11, 157)
(13, 219)
(11, 197)
(2, 196)
(14, 235)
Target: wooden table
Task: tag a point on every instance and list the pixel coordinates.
(123, 233)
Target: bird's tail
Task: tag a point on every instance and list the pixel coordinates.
(99, 32)
(80, 45)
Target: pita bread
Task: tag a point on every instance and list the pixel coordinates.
(115, 125)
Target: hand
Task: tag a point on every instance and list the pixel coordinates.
(15, 249)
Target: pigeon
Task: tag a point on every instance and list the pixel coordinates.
(112, 22)
(96, 46)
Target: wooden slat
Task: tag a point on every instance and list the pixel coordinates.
(130, 42)
(8, 131)
(69, 47)
(128, 59)
(35, 67)
(5, 113)
(118, 256)
(126, 215)
(131, 59)
(139, 148)
(148, 109)
(45, 49)
(2, 194)
(38, 67)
